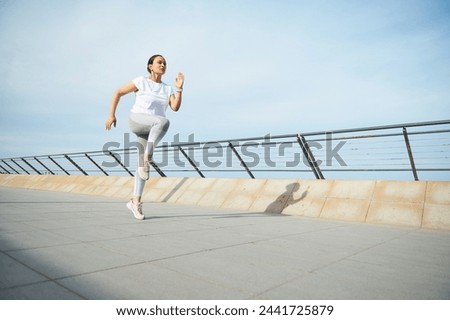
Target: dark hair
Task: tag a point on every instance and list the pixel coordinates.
(150, 61)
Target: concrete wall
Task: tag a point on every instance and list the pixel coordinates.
(403, 203)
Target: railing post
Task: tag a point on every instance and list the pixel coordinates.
(59, 166)
(28, 164)
(191, 162)
(96, 164)
(20, 166)
(309, 156)
(5, 171)
(10, 167)
(45, 167)
(240, 159)
(120, 163)
(410, 155)
(157, 169)
(155, 166)
(75, 164)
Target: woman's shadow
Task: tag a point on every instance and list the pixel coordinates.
(286, 198)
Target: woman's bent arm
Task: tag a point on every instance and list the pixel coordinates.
(126, 89)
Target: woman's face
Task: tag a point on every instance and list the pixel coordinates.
(159, 66)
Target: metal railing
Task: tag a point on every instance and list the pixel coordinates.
(395, 152)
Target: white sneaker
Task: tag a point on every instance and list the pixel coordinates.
(144, 172)
(136, 209)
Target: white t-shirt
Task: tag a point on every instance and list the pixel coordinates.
(152, 97)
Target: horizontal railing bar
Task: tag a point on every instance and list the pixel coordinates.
(200, 145)
(309, 171)
(374, 128)
(396, 126)
(385, 127)
(380, 136)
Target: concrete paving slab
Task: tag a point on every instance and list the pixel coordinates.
(349, 279)
(248, 268)
(72, 246)
(13, 273)
(48, 290)
(73, 259)
(28, 240)
(147, 281)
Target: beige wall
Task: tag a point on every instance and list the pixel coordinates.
(403, 203)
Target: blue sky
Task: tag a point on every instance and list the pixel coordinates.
(251, 67)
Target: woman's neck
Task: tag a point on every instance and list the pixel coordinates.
(156, 77)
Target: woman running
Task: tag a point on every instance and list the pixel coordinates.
(147, 119)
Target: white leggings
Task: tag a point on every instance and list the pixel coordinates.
(149, 130)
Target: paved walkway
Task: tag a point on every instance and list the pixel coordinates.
(69, 246)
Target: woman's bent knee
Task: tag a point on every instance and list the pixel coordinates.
(164, 124)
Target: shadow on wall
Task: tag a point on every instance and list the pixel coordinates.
(175, 189)
(286, 199)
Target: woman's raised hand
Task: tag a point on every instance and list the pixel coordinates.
(179, 80)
